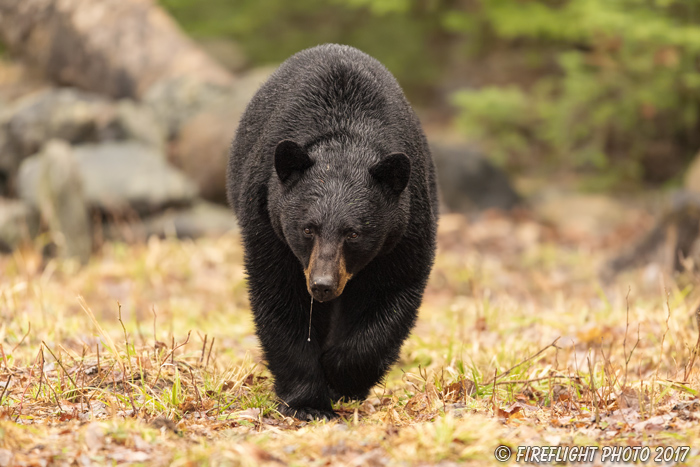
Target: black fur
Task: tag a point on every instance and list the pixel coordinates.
(330, 155)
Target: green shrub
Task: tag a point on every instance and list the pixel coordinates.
(623, 97)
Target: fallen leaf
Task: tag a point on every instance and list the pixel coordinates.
(457, 391)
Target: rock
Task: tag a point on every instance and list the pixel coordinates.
(137, 122)
(63, 114)
(17, 80)
(59, 195)
(119, 176)
(201, 150)
(468, 181)
(73, 116)
(200, 219)
(672, 243)
(176, 101)
(578, 215)
(205, 132)
(118, 48)
(18, 222)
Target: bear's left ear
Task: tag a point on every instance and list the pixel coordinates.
(290, 159)
(393, 171)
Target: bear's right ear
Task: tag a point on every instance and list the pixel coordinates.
(393, 171)
(290, 159)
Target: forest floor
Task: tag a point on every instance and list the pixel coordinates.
(147, 356)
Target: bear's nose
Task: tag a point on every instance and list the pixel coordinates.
(323, 288)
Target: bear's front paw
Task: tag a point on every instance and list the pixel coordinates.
(306, 413)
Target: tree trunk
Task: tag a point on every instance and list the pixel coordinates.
(115, 47)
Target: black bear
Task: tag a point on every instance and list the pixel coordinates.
(332, 181)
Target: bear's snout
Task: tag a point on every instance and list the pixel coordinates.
(326, 275)
(324, 288)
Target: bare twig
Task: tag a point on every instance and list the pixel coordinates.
(81, 368)
(7, 385)
(58, 402)
(99, 385)
(210, 349)
(170, 354)
(593, 391)
(624, 342)
(23, 337)
(553, 344)
(131, 394)
(694, 352)
(493, 394)
(155, 339)
(107, 338)
(24, 394)
(31, 375)
(4, 359)
(534, 380)
(61, 365)
(41, 375)
(633, 348)
(126, 337)
(608, 371)
(204, 349)
(196, 390)
(661, 351)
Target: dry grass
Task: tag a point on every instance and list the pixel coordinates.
(147, 356)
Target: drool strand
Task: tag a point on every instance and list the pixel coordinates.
(311, 311)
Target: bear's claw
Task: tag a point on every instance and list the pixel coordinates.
(306, 413)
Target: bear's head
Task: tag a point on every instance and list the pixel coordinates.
(338, 206)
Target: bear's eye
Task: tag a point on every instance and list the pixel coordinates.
(308, 232)
(353, 235)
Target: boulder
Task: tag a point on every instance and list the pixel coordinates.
(582, 215)
(468, 181)
(118, 48)
(58, 193)
(19, 222)
(178, 100)
(73, 116)
(201, 150)
(672, 243)
(118, 176)
(205, 125)
(200, 219)
(137, 122)
(63, 114)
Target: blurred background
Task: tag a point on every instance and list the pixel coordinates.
(116, 115)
